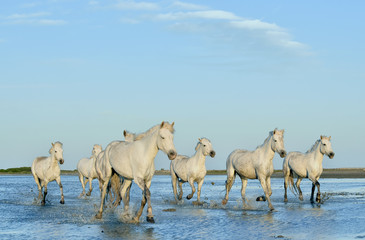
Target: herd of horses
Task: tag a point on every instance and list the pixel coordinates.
(132, 160)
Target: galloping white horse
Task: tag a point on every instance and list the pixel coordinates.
(46, 169)
(86, 169)
(255, 164)
(185, 169)
(306, 165)
(135, 161)
(103, 168)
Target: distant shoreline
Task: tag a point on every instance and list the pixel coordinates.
(327, 173)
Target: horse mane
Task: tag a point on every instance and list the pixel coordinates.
(54, 144)
(266, 140)
(197, 146)
(155, 128)
(148, 132)
(315, 145)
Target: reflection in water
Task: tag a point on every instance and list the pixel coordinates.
(340, 216)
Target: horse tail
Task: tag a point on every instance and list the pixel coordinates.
(292, 186)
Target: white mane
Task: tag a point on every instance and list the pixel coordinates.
(315, 145)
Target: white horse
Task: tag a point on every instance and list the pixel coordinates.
(103, 168)
(135, 161)
(306, 165)
(46, 169)
(86, 169)
(185, 169)
(255, 164)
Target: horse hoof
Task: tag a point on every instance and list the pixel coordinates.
(88, 194)
(285, 200)
(99, 215)
(301, 198)
(43, 203)
(150, 219)
(62, 201)
(224, 201)
(318, 200)
(188, 197)
(260, 199)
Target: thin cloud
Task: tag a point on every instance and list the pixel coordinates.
(33, 19)
(132, 5)
(187, 6)
(27, 16)
(209, 14)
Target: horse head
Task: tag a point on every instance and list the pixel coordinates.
(277, 142)
(96, 149)
(165, 139)
(206, 146)
(326, 147)
(57, 151)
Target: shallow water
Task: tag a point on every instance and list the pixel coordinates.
(340, 216)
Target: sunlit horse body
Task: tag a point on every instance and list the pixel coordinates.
(46, 169)
(103, 169)
(255, 164)
(191, 169)
(306, 165)
(86, 169)
(135, 162)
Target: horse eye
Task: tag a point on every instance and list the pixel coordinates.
(162, 137)
(275, 140)
(55, 151)
(324, 144)
(204, 145)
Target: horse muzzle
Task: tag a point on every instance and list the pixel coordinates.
(172, 155)
(282, 154)
(62, 161)
(331, 155)
(212, 154)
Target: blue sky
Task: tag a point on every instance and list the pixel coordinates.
(81, 72)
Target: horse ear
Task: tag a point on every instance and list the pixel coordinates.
(200, 140)
(321, 137)
(162, 124)
(282, 130)
(172, 125)
(125, 133)
(329, 138)
(275, 131)
(52, 144)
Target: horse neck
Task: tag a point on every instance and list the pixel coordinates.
(52, 160)
(266, 149)
(199, 157)
(317, 155)
(150, 144)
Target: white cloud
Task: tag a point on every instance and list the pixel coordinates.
(33, 19)
(132, 5)
(29, 15)
(254, 25)
(209, 14)
(187, 6)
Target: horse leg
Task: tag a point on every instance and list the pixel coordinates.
(37, 180)
(191, 182)
(58, 180)
(180, 190)
(90, 186)
(125, 189)
(286, 179)
(297, 184)
(243, 191)
(268, 182)
(146, 196)
(44, 193)
(102, 198)
(318, 198)
(81, 177)
(173, 182)
(229, 183)
(265, 188)
(200, 184)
